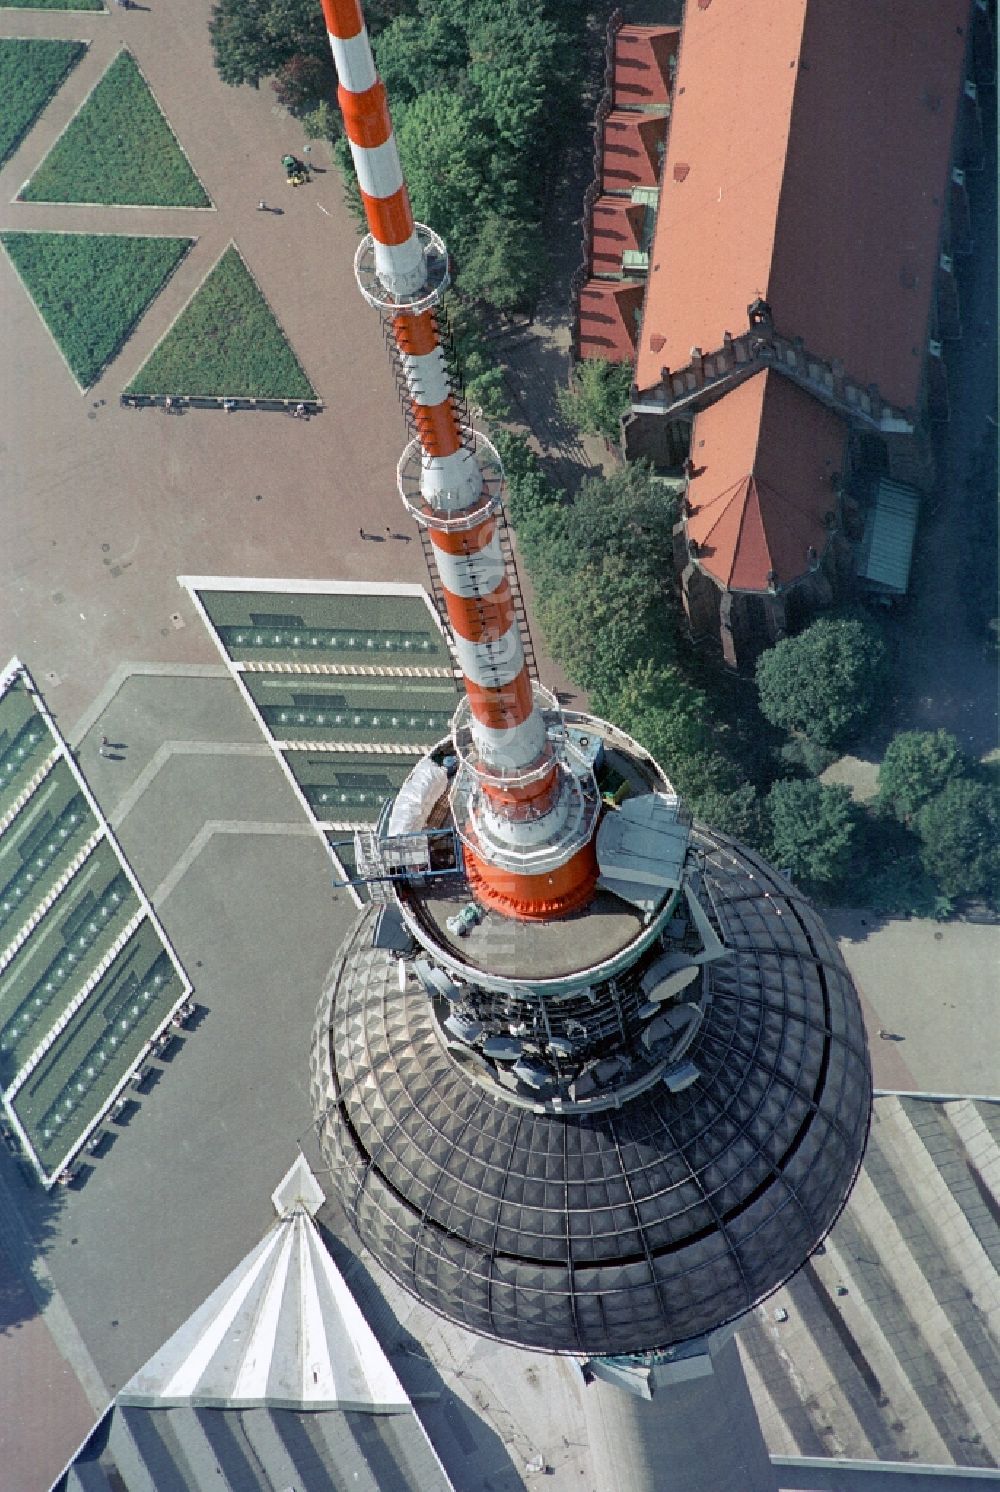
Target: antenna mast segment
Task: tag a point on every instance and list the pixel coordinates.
(524, 800)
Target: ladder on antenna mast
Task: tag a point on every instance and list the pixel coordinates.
(513, 579)
(517, 595)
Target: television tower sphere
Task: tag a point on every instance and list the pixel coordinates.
(608, 1133)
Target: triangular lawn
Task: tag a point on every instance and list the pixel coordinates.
(30, 72)
(118, 150)
(225, 342)
(91, 288)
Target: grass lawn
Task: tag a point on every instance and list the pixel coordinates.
(51, 5)
(30, 73)
(119, 149)
(92, 288)
(226, 341)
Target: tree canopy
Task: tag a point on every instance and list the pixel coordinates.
(253, 39)
(960, 835)
(814, 832)
(917, 764)
(482, 96)
(598, 398)
(825, 682)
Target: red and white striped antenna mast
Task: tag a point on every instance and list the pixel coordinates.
(524, 799)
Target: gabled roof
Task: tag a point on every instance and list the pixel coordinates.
(641, 74)
(282, 1330)
(808, 160)
(608, 318)
(617, 226)
(763, 457)
(631, 150)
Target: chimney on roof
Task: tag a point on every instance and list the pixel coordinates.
(759, 312)
(812, 555)
(772, 580)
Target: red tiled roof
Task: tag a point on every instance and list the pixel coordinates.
(617, 226)
(818, 135)
(608, 319)
(760, 489)
(642, 64)
(631, 157)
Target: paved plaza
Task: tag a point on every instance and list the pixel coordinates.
(103, 508)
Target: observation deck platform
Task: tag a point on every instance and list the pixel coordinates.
(565, 947)
(515, 949)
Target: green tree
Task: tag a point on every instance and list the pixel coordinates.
(738, 811)
(671, 717)
(598, 398)
(888, 875)
(825, 682)
(628, 513)
(446, 153)
(814, 832)
(417, 54)
(960, 838)
(916, 766)
(598, 621)
(252, 39)
(505, 266)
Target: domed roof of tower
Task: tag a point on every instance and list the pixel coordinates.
(626, 1230)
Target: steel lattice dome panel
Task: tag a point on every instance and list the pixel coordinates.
(622, 1231)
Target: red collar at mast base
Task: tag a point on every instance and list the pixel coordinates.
(535, 898)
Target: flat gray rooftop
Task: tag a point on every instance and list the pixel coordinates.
(521, 950)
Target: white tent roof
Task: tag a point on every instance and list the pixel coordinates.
(282, 1330)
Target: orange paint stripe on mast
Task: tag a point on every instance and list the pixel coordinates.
(507, 726)
(343, 18)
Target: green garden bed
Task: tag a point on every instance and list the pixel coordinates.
(30, 73)
(118, 150)
(91, 289)
(52, 5)
(225, 343)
